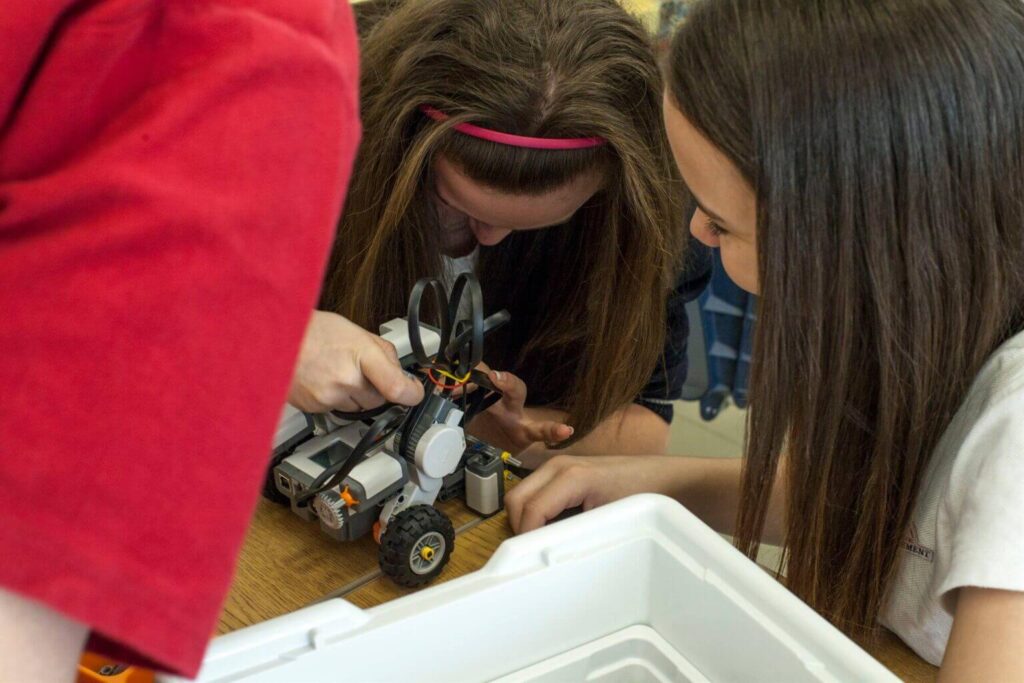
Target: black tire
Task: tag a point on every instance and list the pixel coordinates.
(270, 491)
(413, 529)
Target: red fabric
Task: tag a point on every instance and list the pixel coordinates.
(170, 177)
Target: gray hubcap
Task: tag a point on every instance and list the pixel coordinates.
(427, 552)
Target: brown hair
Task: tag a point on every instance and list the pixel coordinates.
(587, 298)
(885, 143)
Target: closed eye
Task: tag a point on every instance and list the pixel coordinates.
(715, 229)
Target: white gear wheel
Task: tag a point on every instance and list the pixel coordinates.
(328, 506)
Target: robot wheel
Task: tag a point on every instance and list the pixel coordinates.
(416, 546)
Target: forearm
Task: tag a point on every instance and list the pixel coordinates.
(710, 489)
(633, 430)
(37, 643)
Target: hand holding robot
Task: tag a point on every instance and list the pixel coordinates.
(507, 422)
(380, 470)
(342, 366)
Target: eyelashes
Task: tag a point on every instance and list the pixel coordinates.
(714, 228)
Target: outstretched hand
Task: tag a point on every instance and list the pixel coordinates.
(508, 423)
(566, 481)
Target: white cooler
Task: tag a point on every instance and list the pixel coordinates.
(636, 591)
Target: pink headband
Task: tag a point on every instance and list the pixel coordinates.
(515, 140)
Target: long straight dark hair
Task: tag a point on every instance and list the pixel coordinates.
(885, 144)
(588, 298)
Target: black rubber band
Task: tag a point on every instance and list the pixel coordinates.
(413, 318)
(479, 401)
(469, 357)
(491, 323)
(383, 427)
(364, 415)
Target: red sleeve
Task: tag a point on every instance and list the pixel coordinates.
(170, 177)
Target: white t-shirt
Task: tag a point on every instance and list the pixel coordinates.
(968, 525)
(454, 267)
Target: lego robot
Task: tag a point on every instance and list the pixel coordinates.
(381, 471)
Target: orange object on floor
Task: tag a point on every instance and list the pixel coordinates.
(96, 669)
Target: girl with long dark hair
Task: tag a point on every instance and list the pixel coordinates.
(861, 166)
(523, 140)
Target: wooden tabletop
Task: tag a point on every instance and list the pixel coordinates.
(286, 564)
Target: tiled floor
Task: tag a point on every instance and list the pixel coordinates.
(720, 438)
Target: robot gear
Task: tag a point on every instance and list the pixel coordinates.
(329, 506)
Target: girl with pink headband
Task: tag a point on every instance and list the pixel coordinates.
(523, 140)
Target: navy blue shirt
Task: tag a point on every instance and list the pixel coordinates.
(521, 291)
(666, 384)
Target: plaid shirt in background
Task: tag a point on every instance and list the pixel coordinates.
(670, 13)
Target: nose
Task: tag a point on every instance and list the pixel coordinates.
(699, 229)
(488, 235)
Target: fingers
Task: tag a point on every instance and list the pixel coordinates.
(512, 388)
(517, 498)
(547, 432)
(353, 399)
(304, 400)
(387, 347)
(359, 398)
(342, 366)
(322, 396)
(552, 500)
(533, 504)
(387, 378)
(458, 391)
(471, 387)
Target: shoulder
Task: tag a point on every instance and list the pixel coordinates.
(989, 426)
(992, 416)
(983, 501)
(970, 509)
(1002, 378)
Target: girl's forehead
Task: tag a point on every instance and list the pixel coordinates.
(508, 210)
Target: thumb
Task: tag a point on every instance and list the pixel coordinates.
(389, 379)
(512, 388)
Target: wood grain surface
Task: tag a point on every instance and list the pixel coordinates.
(286, 563)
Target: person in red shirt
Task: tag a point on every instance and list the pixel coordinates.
(170, 177)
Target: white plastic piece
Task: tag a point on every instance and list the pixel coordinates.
(303, 455)
(396, 331)
(336, 421)
(636, 654)
(329, 510)
(640, 590)
(454, 417)
(439, 450)
(421, 492)
(291, 423)
(376, 473)
(482, 492)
